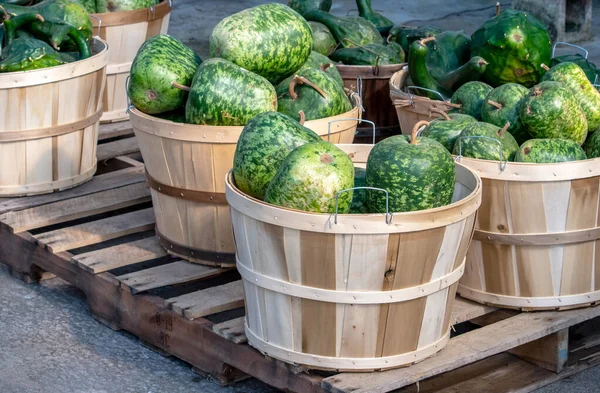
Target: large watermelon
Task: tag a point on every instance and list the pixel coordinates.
(224, 94)
(549, 151)
(485, 141)
(417, 172)
(310, 178)
(159, 62)
(265, 142)
(551, 111)
(271, 40)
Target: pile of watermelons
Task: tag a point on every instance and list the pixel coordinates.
(510, 105)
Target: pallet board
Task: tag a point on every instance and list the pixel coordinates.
(99, 238)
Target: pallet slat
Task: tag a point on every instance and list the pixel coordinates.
(106, 259)
(99, 183)
(75, 208)
(209, 301)
(170, 274)
(113, 130)
(233, 330)
(97, 231)
(122, 147)
(464, 349)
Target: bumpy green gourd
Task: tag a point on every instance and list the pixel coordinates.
(24, 54)
(365, 11)
(224, 94)
(406, 35)
(370, 54)
(323, 41)
(271, 40)
(549, 151)
(515, 44)
(348, 31)
(302, 6)
(572, 76)
(314, 92)
(310, 177)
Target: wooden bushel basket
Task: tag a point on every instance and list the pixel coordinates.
(411, 108)
(536, 244)
(125, 32)
(373, 85)
(185, 167)
(49, 125)
(352, 293)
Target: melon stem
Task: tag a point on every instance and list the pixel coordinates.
(415, 130)
(179, 86)
(495, 104)
(302, 117)
(497, 8)
(423, 41)
(503, 130)
(300, 80)
(545, 67)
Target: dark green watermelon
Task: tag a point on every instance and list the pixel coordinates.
(417, 176)
(478, 140)
(271, 40)
(265, 142)
(28, 53)
(588, 97)
(310, 177)
(359, 197)
(323, 41)
(445, 131)
(549, 151)
(502, 106)
(323, 63)
(160, 61)
(176, 116)
(592, 145)
(471, 97)
(302, 6)
(551, 111)
(224, 94)
(314, 92)
(515, 44)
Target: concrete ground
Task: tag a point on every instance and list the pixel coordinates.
(51, 344)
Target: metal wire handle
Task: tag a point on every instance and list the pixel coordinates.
(389, 216)
(422, 88)
(572, 45)
(345, 119)
(459, 156)
(359, 87)
(99, 23)
(129, 103)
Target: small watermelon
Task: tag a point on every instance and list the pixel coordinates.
(502, 106)
(323, 63)
(265, 142)
(446, 129)
(485, 141)
(592, 145)
(418, 173)
(549, 151)
(323, 41)
(471, 97)
(310, 178)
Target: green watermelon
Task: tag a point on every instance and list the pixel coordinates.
(310, 177)
(302, 6)
(592, 145)
(160, 61)
(572, 76)
(551, 111)
(359, 197)
(323, 63)
(176, 116)
(590, 69)
(314, 92)
(224, 94)
(549, 151)
(271, 40)
(478, 140)
(515, 44)
(445, 131)
(323, 41)
(127, 5)
(265, 142)
(471, 97)
(502, 106)
(417, 172)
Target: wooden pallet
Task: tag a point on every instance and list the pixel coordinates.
(99, 237)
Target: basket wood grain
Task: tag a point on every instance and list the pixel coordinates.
(410, 108)
(536, 240)
(49, 125)
(375, 94)
(186, 166)
(356, 294)
(125, 32)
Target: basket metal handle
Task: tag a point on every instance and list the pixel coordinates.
(130, 105)
(408, 88)
(581, 48)
(389, 216)
(99, 23)
(359, 87)
(346, 119)
(503, 162)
